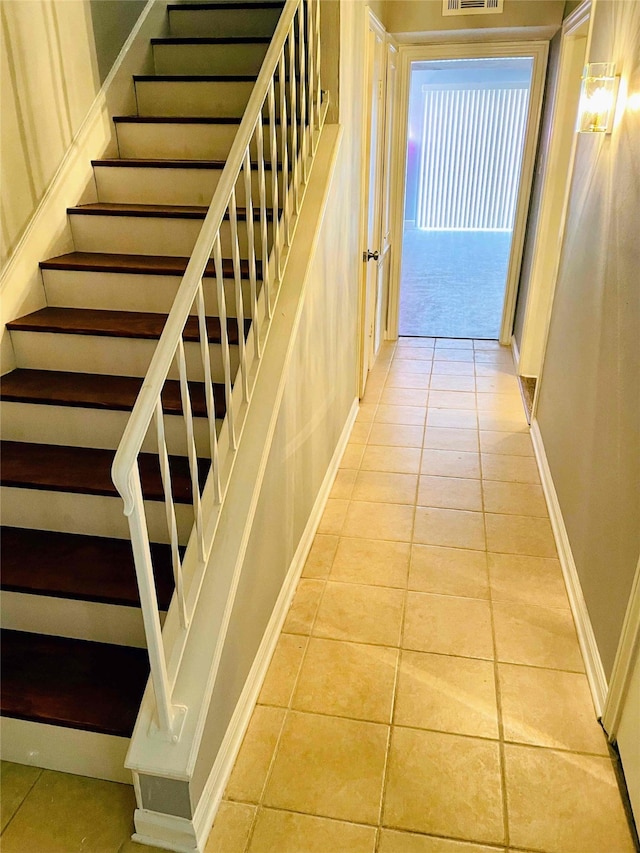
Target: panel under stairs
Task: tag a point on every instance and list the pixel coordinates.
(73, 663)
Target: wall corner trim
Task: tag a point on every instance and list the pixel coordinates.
(586, 637)
(185, 836)
(515, 352)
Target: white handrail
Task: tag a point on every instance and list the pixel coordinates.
(138, 424)
(294, 66)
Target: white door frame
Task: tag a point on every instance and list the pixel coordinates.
(556, 184)
(367, 311)
(538, 50)
(621, 713)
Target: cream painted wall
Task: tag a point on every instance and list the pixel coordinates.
(320, 390)
(589, 401)
(112, 21)
(422, 16)
(49, 80)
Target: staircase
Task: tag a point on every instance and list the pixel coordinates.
(73, 653)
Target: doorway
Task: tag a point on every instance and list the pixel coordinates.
(467, 133)
(465, 142)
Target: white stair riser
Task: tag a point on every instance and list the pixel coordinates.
(179, 141)
(133, 292)
(218, 99)
(84, 427)
(223, 22)
(81, 620)
(65, 750)
(148, 235)
(94, 515)
(214, 99)
(208, 58)
(112, 356)
(145, 185)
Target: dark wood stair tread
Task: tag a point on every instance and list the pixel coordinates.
(79, 567)
(177, 119)
(139, 264)
(195, 78)
(212, 40)
(212, 7)
(130, 163)
(87, 470)
(119, 324)
(91, 391)
(159, 211)
(72, 683)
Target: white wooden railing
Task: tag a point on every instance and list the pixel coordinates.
(286, 107)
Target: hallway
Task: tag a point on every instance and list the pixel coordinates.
(432, 600)
(428, 683)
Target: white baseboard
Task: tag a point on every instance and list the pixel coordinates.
(586, 637)
(625, 660)
(184, 836)
(515, 353)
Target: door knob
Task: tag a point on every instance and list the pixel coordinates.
(370, 256)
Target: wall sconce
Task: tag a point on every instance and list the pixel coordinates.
(598, 98)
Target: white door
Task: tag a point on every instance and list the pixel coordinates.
(621, 715)
(373, 163)
(384, 264)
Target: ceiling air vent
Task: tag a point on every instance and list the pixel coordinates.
(471, 7)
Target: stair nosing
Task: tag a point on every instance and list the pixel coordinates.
(75, 549)
(195, 78)
(177, 119)
(149, 163)
(214, 7)
(137, 265)
(57, 326)
(172, 403)
(203, 40)
(159, 211)
(34, 708)
(81, 487)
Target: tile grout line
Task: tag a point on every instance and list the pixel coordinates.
(377, 836)
(394, 695)
(502, 755)
(22, 801)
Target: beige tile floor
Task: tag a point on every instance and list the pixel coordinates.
(427, 694)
